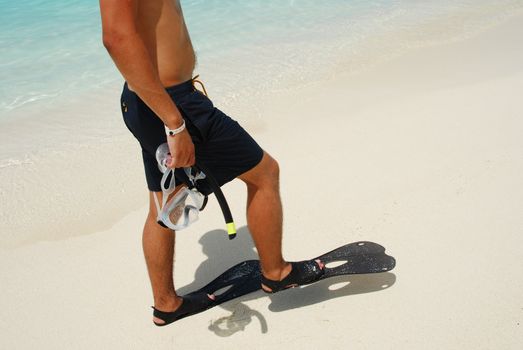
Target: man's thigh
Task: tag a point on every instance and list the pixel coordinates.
(227, 150)
(265, 172)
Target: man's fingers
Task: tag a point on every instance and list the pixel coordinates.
(182, 151)
(181, 161)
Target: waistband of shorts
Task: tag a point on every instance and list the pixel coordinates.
(181, 89)
(175, 90)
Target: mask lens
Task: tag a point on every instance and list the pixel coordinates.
(182, 210)
(176, 214)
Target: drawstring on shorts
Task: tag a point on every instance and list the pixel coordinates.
(196, 80)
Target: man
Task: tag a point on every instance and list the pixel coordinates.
(149, 43)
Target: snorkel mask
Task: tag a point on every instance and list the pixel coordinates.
(182, 209)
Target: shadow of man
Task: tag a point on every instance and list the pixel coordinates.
(223, 254)
(332, 288)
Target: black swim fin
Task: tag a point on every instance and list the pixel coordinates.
(353, 258)
(241, 279)
(245, 277)
(357, 258)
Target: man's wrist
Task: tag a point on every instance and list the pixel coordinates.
(176, 131)
(174, 123)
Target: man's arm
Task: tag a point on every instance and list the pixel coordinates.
(126, 47)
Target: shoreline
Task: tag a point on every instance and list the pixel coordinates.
(57, 212)
(56, 205)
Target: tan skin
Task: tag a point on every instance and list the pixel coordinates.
(149, 42)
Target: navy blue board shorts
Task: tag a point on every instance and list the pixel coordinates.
(220, 143)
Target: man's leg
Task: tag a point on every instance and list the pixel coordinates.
(265, 216)
(158, 248)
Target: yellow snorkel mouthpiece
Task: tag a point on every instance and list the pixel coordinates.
(231, 230)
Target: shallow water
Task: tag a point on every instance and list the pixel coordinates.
(51, 50)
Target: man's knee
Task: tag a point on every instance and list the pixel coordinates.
(266, 173)
(273, 170)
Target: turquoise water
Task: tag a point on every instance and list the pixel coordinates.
(51, 50)
(48, 47)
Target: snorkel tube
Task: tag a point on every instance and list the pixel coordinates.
(224, 206)
(162, 153)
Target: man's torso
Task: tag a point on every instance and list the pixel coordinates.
(164, 32)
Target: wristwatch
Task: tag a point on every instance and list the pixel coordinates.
(174, 132)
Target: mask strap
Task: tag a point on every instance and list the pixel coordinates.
(185, 215)
(198, 175)
(166, 191)
(157, 203)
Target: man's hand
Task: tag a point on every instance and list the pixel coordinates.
(181, 149)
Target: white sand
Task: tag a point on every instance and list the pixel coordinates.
(423, 155)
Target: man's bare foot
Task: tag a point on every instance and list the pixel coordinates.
(301, 277)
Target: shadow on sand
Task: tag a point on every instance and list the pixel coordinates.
(222, 254)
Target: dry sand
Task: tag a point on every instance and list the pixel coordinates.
(423, 154)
